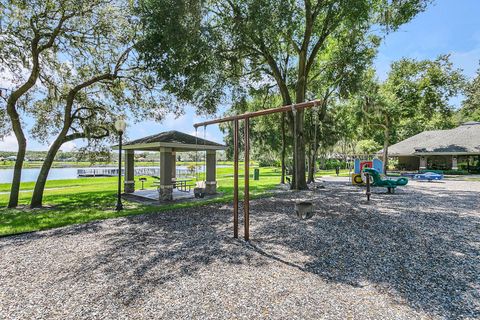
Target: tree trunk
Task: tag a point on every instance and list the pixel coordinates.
(299, 155)
(386, 134)
(311, 168)
(37, 197)
(22, 144)
(312, 165)
(284, 146)
(322, 162)
(17, 171)
(17, 125)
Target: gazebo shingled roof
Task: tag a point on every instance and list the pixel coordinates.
(177, 140)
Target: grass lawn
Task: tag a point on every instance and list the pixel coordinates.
(472, 179)
(83, 164)
(87, 199)
(343, 173)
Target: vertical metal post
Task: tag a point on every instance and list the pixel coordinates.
(367, 177)
(235, 179)
(246, 196)
(119, 205)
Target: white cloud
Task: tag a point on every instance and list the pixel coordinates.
(68, 146)
(9, 143)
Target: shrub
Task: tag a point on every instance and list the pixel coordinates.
(455, 172)
(452, 172)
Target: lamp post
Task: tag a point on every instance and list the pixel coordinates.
(120, 126)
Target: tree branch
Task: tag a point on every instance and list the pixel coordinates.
(83, 135)
(323, 36)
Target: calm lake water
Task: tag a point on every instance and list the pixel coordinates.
(28, 175)
(6, 175)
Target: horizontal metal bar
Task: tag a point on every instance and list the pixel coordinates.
(254, 114)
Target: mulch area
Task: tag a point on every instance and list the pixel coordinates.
(413, 254)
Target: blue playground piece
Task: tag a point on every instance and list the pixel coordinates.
(356, 166)
(428, 176)
(378, 165)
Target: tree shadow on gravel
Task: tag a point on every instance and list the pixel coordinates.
(140, 255)
(418, 245)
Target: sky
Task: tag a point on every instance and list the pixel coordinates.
(446, 27)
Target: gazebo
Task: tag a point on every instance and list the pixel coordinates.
(170, 143)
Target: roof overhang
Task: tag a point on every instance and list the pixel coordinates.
(419, 154)
(446, 153)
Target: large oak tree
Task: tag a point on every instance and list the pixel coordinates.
(281, 41)
(414, 91)
(89, 82)
(30, 30)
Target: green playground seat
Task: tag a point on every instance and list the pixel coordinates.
(390, 184)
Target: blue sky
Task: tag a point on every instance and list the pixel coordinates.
(446, 27)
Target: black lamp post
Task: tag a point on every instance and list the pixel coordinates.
(120, 125)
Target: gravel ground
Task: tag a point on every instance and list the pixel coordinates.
(414, 254)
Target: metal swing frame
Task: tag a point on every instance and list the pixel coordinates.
(200, 194)
(246, 118)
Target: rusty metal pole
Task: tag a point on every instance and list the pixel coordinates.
(246, 117)
(367, 177)
(246, 191)
(298, 106)
(235, 178)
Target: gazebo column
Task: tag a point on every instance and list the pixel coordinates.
(423, 162)
(210, 178)
(174, 165)
(454, 163)
(129, 181)
(165, 190)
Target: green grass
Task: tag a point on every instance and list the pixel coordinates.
(472, 179)
(86, 199)
(343, 173)
(82, 164)
(81, 200)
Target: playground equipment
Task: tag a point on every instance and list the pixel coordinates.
(246, 118)
(390, 184)
(304, 209)
(428, 176)
(358, 175)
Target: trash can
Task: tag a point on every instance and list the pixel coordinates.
(256, 174)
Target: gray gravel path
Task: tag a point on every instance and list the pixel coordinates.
(414, 254)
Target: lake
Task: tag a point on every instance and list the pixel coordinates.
(6, 175)
(29, 175)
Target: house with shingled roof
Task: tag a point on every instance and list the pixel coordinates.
(452, 149)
